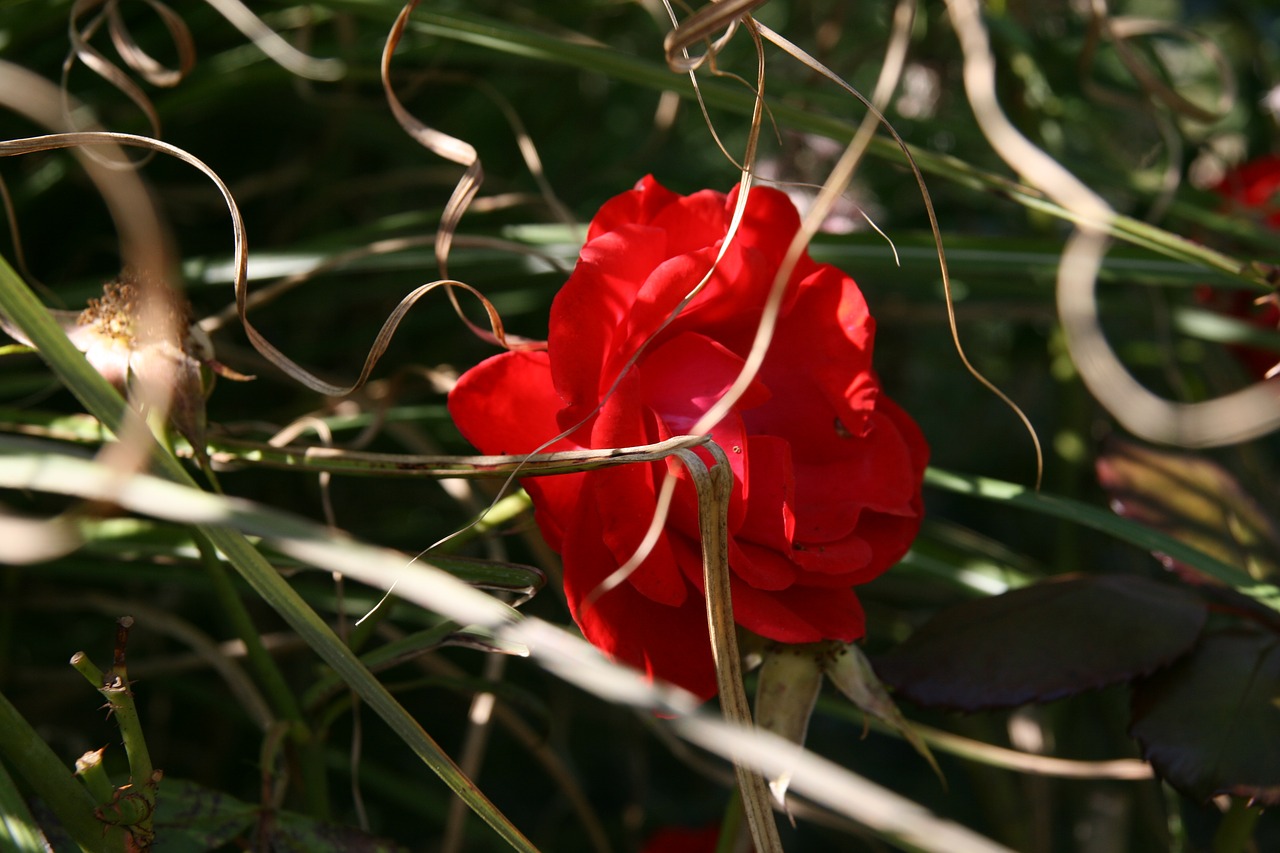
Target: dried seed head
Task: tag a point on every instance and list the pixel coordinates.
(121, 331)
(141, 331)
(115, 314)
(107, 331)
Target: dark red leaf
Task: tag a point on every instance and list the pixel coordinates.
(1194, 500)
(1044, 642)
(1210, 724)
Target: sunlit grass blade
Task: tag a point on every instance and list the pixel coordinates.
(19, 831)
(889, 815)
(102, 401)
(1102, 520)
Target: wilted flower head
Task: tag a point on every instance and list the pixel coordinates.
(145, 334)
(107, 331)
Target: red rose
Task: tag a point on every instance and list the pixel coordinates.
(827, 470)
(677, 839)
(1252, 191)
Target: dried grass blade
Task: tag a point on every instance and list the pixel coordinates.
(822, 204)
(895, 55)
(450, 148)
(342, 461)
(1120, 30)
(1231, 418)
(260, 342)
(532, 161)
(1126, 769)
(464, 154)
(700, 27)
(266, 294)
(276, 48)
(714, 488)
(142, 62)
(92, 59)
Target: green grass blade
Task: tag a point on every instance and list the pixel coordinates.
(102, 401)
(28, 464)
(532, 45)
(29, 756)
(19, 832)
(1104, 521)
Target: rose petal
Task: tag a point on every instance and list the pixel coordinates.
(506, 404)
(769, 494)
(626, 498)
(797, 614)
(688, 375)
(1253, 188)
(800, 614)
(890, 517)
(627, 494)
(889, 538)
(838, 477)
(693, 222)
(636, 206)
(760, 567)
(828, 334)
(666, 285)
(842, 557)
(728, 308)
(585, 316)
(666, 642)
(770, 220)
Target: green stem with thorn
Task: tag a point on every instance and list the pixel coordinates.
(134, 807)
(25, 753)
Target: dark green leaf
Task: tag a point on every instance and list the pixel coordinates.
(492, 574)
(193, 818)
(1210, 724)
(1044, 642)
(294, 833)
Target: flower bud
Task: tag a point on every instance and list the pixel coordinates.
(790, 680)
